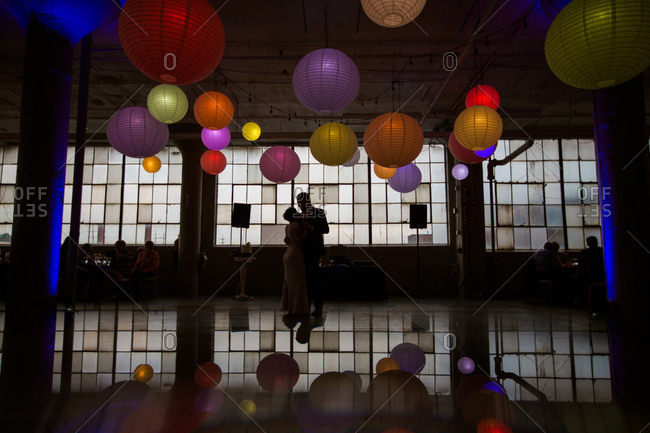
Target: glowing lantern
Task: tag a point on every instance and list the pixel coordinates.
(352, 161)
(487, 152)
(215, 139)
(409, 357)
(134, 132)
(167, 103)
(333, 144)
(213, 162)
(392, 13)
(466, 365)
(248, 407)
(280, 164)
(213, 110)
(406, 179)
(326, 80)
(492, 425)
(143, 373)
(393, 140)
(207, 375)
(251, 131)
(277, 373)
(483, 95)
(383, 172)
(151, 164)
(460, 171)
(172, 41)
(478, 127)
(333, 393)
(594, 44)
(461, 153)
(494, 386)
(386, 364)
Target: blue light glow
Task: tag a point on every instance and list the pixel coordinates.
(486, 153)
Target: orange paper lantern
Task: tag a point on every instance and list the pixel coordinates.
(478, 127)
(383, 172)
(386, 364)
(213, 110)
(393, 140)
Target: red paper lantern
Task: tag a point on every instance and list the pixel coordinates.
(213, 161)
(172, 41)
(278, 373)
(483, 95)
(461, 153)
(213, 110)
(208, 374)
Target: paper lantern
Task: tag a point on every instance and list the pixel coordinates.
(248, 407)
(151, 164)
(251, 131)
(468, 386)
(280, 164)
(326, 80)
(494, 386)
(386, 364)
(134, 132)
(277, 373)
(483, 95)
(466, 365)
(593, 44)
(172, 41)
(462, 154)
(353, 161)
(460, 171)
(383, 172)
(213, 162)
(392, 13)
(355, 377)
(334, 393)
(207, 375)
(393, 140)
(215, 139)
(553, 7)
(143, 373)
(333, 144)
(397, 398)
(213, 110)
(406, 179)
(167, 103)
(492, 425)
(209, 401)
(409, 357)
(487, 152)
(478, 127)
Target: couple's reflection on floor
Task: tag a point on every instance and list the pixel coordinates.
(307, 323)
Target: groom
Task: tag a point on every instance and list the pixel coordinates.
(313, 248)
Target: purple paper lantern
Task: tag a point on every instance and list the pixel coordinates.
(280, 164)
(466, 365)
(134, 132)
(494, 386)
(215, 139)
(352, 161)
(406, 179)
(409, 357)
(486, 153)
(326, 80)
(460, 171)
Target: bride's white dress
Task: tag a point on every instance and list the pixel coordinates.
(294, 290)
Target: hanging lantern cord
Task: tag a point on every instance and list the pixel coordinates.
(326, 42)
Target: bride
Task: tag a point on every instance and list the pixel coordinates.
(294, 290)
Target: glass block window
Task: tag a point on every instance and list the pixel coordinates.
(8, 160)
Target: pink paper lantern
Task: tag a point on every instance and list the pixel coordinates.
(215, 139)
(406, 179)
(461, 153)
(280, 164)
(466, 365)
(134, 132)
(460, 171)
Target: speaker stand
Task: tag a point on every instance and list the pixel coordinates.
(418, 284)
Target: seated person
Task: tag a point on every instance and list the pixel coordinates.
(549, 267)
(591, 269)
(119, 250)
(145, 266)
(562, 257)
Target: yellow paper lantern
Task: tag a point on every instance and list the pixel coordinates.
(386, 364)
(248, 407)
(383, 172)
(143, 373)
(594, 44)
(392, 13)
(333, 144)
(478, 127)
(151, 164)
(251, 131)
(393, 140)
(167, 103)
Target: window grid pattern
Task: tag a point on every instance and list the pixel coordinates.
(8, 167)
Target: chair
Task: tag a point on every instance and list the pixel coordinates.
(149, 284)
(124, 266)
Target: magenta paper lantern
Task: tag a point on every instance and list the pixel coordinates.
(406, 179)
(326, 80)
(215, 139)
(409, 357)
(352, 161)
(280, 164)
(461, 153)
(486, 153)
(466, 365)
(134, 132)
(460, 171)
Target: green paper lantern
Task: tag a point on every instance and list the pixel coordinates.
(167, 103)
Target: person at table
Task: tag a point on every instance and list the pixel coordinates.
(562, 257)
(294, 288)
(313, 248)
(145, 266)
(548, 267)
(118, 250)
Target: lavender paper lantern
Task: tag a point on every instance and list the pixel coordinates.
(215, 139)
(134, 132)
(280, 164)
(406, 179)
(352, 161)
(326, 80)
(486, 153)
(466, 365)
(409, 357)
(460, 171)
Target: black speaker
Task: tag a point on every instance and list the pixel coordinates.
(241, 215)
(418, 216)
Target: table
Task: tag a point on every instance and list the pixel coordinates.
(353, 282)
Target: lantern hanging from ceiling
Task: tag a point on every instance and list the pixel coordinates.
(215, 139)
(143, 373)
(134, 132)
(334, 393)
(492, 425)
(483, 95)
(593, 44)
(392, 13)
(251, 131)
(213, 110)
(167, 103)
(151, 164)
(409, 357)
(213, 162)
(460, 171)
(406, 179)
(355, 377)
(172, 41)
(326, 80)
(353, 161)
(383, 172)
(393, 140)
(486, 153)
(466, 365)
(280, 164)
(478, 127)
(333, 144)
(207, 375)
(386, 364)
(462, 154)
(249, 408)
(398, 398)
(277, 373)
